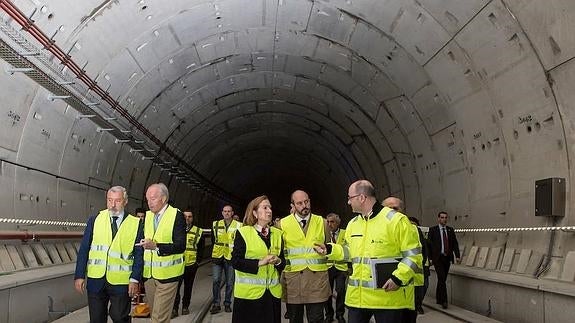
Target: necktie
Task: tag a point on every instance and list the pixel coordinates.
(303, 223)
(333, 237)
(114, 226)
(445, 241)
(156, 220)
(265, 231)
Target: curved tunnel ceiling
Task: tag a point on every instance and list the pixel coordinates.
(425, 98)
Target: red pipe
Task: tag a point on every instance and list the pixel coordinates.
(28, 25)
(37, 235)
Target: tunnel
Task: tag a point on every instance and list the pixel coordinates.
(457, 106)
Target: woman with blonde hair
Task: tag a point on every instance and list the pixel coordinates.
(258, 260)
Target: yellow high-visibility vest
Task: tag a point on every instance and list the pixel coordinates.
(340, 265)
(192, 238)
(298, 248)
(112, 258)
(387, 237)
(156, 266)
(253, 286)
(224, 239)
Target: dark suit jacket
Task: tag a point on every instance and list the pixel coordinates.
(94, 285)
(434, 237)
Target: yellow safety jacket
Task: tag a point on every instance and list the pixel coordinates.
(156, 266)
(224, 239)
(192, 238)
(387, 237)
(250, 286)
(340, 265)
(113, 258)
(298, 248)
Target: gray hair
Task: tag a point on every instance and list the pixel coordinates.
(116, 189)
(163, 190)
(335, 216)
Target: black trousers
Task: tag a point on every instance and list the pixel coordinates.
(421, 290)
(336, 280)
(119, 306)
(363, 315)
(441, 265)
(188, 282)
(314, 312)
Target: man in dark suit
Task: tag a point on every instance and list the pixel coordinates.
(108, 265)
(443, 246)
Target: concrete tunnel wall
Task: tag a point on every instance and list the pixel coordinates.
(450, 105)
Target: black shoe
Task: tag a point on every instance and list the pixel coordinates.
(228, 308)
(444, 305)
(215, 309)
(286, 315)
(420, 310)
(185, 311)
(340, 319)
(174, 313)
(328, 320)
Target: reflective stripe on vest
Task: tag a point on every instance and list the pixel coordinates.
(298, 247)
(156, 266)
(192, 238)
(112, 258)
(253, 286)
(340, 265)
(223, 238)
(375, 241)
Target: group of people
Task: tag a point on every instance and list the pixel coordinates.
(119, 251)
(375, 264)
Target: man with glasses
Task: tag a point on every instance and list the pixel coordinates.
(305, 277)
(384, 249)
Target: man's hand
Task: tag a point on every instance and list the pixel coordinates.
(133, 289)
(457, 260)
(80, 285)
(268, 259)
(390, 286)
(147, 244)
(320, 249)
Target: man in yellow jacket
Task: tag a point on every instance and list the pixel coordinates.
(164, 245)
(223, 233)
(384, 249)
(337, 273)
(108, 265)
(305, 277)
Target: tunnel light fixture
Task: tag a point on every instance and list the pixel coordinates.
(27, 54)
(85, 116)
(91, 104)
(121, 141)
(125, 131)
(135, 150)
(110, 118)
(99, 129)
(139, 141)
(147, 158)
(13, 70)
(66, 82)
(58, 97)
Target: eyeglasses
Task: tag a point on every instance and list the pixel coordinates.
(350, 197)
